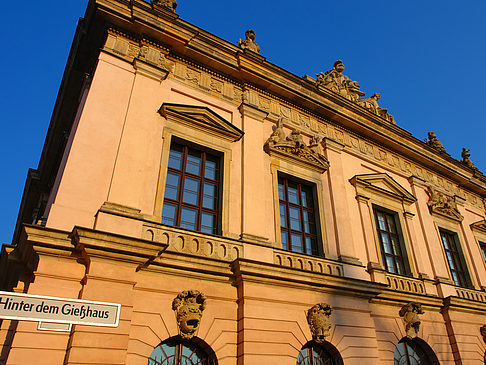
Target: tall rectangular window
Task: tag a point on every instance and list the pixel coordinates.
(297, 217)
(390, 245)
(191, 198)
(455, 259)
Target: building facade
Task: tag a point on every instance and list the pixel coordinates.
(238, 213)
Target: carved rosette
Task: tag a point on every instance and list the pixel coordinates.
(294, 148)
(188, 307)
(410, 316)
(319, 321)
(443, 204)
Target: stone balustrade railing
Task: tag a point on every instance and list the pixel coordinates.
(401, 283)
(303, 262)
(193, 243)
(470, 294)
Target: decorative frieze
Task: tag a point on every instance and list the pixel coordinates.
(409, 285)
(304, 262)
(476, 295)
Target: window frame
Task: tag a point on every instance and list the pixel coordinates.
(399, 235)
(309, 177)
(301, 186)
(183, 174)
(459, 258)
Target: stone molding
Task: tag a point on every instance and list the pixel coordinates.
(202, 117)
(253, 112)
(479, 226)
(381, 184)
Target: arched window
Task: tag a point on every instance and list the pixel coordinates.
(414, 352)
(319, 354)
(176, 351)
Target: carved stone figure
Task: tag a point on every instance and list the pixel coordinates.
(294, 147)
(319, 322)
(296, 138)
(314, 144)
(410, 315)
(278, 135)
(443, 204)
(335, 80)
(483, 332)
(249, 42)
(188, 306)
(168, 4)
(435, 143)
(465, 159)
(372, 105)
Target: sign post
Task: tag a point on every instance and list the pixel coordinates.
(26, 307)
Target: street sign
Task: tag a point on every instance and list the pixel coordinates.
(26, 307)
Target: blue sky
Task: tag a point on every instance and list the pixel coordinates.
(426, 58)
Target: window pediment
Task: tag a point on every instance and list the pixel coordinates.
(479, 226)
(203, 118)
(381, 184)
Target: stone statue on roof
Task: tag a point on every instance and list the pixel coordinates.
(249, 42)
(335, 80)
(465, 159)
(435, 143)
(372, 105)
(168, 4)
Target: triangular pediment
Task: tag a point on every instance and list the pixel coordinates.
(479, 226)
(202, 118)
(384, 184)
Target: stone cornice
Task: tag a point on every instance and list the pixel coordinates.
(227, 59)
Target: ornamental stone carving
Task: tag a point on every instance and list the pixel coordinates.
(435, 143)
(188, 307)
(319, 321)
(443, 204)
(483, 332)
(168, 4)
(465, 159)
(372, 105)
(249, 42)
(294, 148)
(335, 80)
(410, 316)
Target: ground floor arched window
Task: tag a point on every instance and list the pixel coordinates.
(176, 351)
(319, 354)
(414, 352)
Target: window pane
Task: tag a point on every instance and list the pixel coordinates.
(169, 214)
(306, 198)
(293, 194)
(172, 186)
(283, 216)
(283, 237)
(188, 218)
(386, 243)
(281, 191)
(381, 222)
(193, 164)
(391, 223)
(390, 265)
(208, 223)
(294, 219)
(209, 198)
(309, 225)
(191, 191)
(396, 246)
(211, 169)
(445, 242)
(175, 157)
(296, 243)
